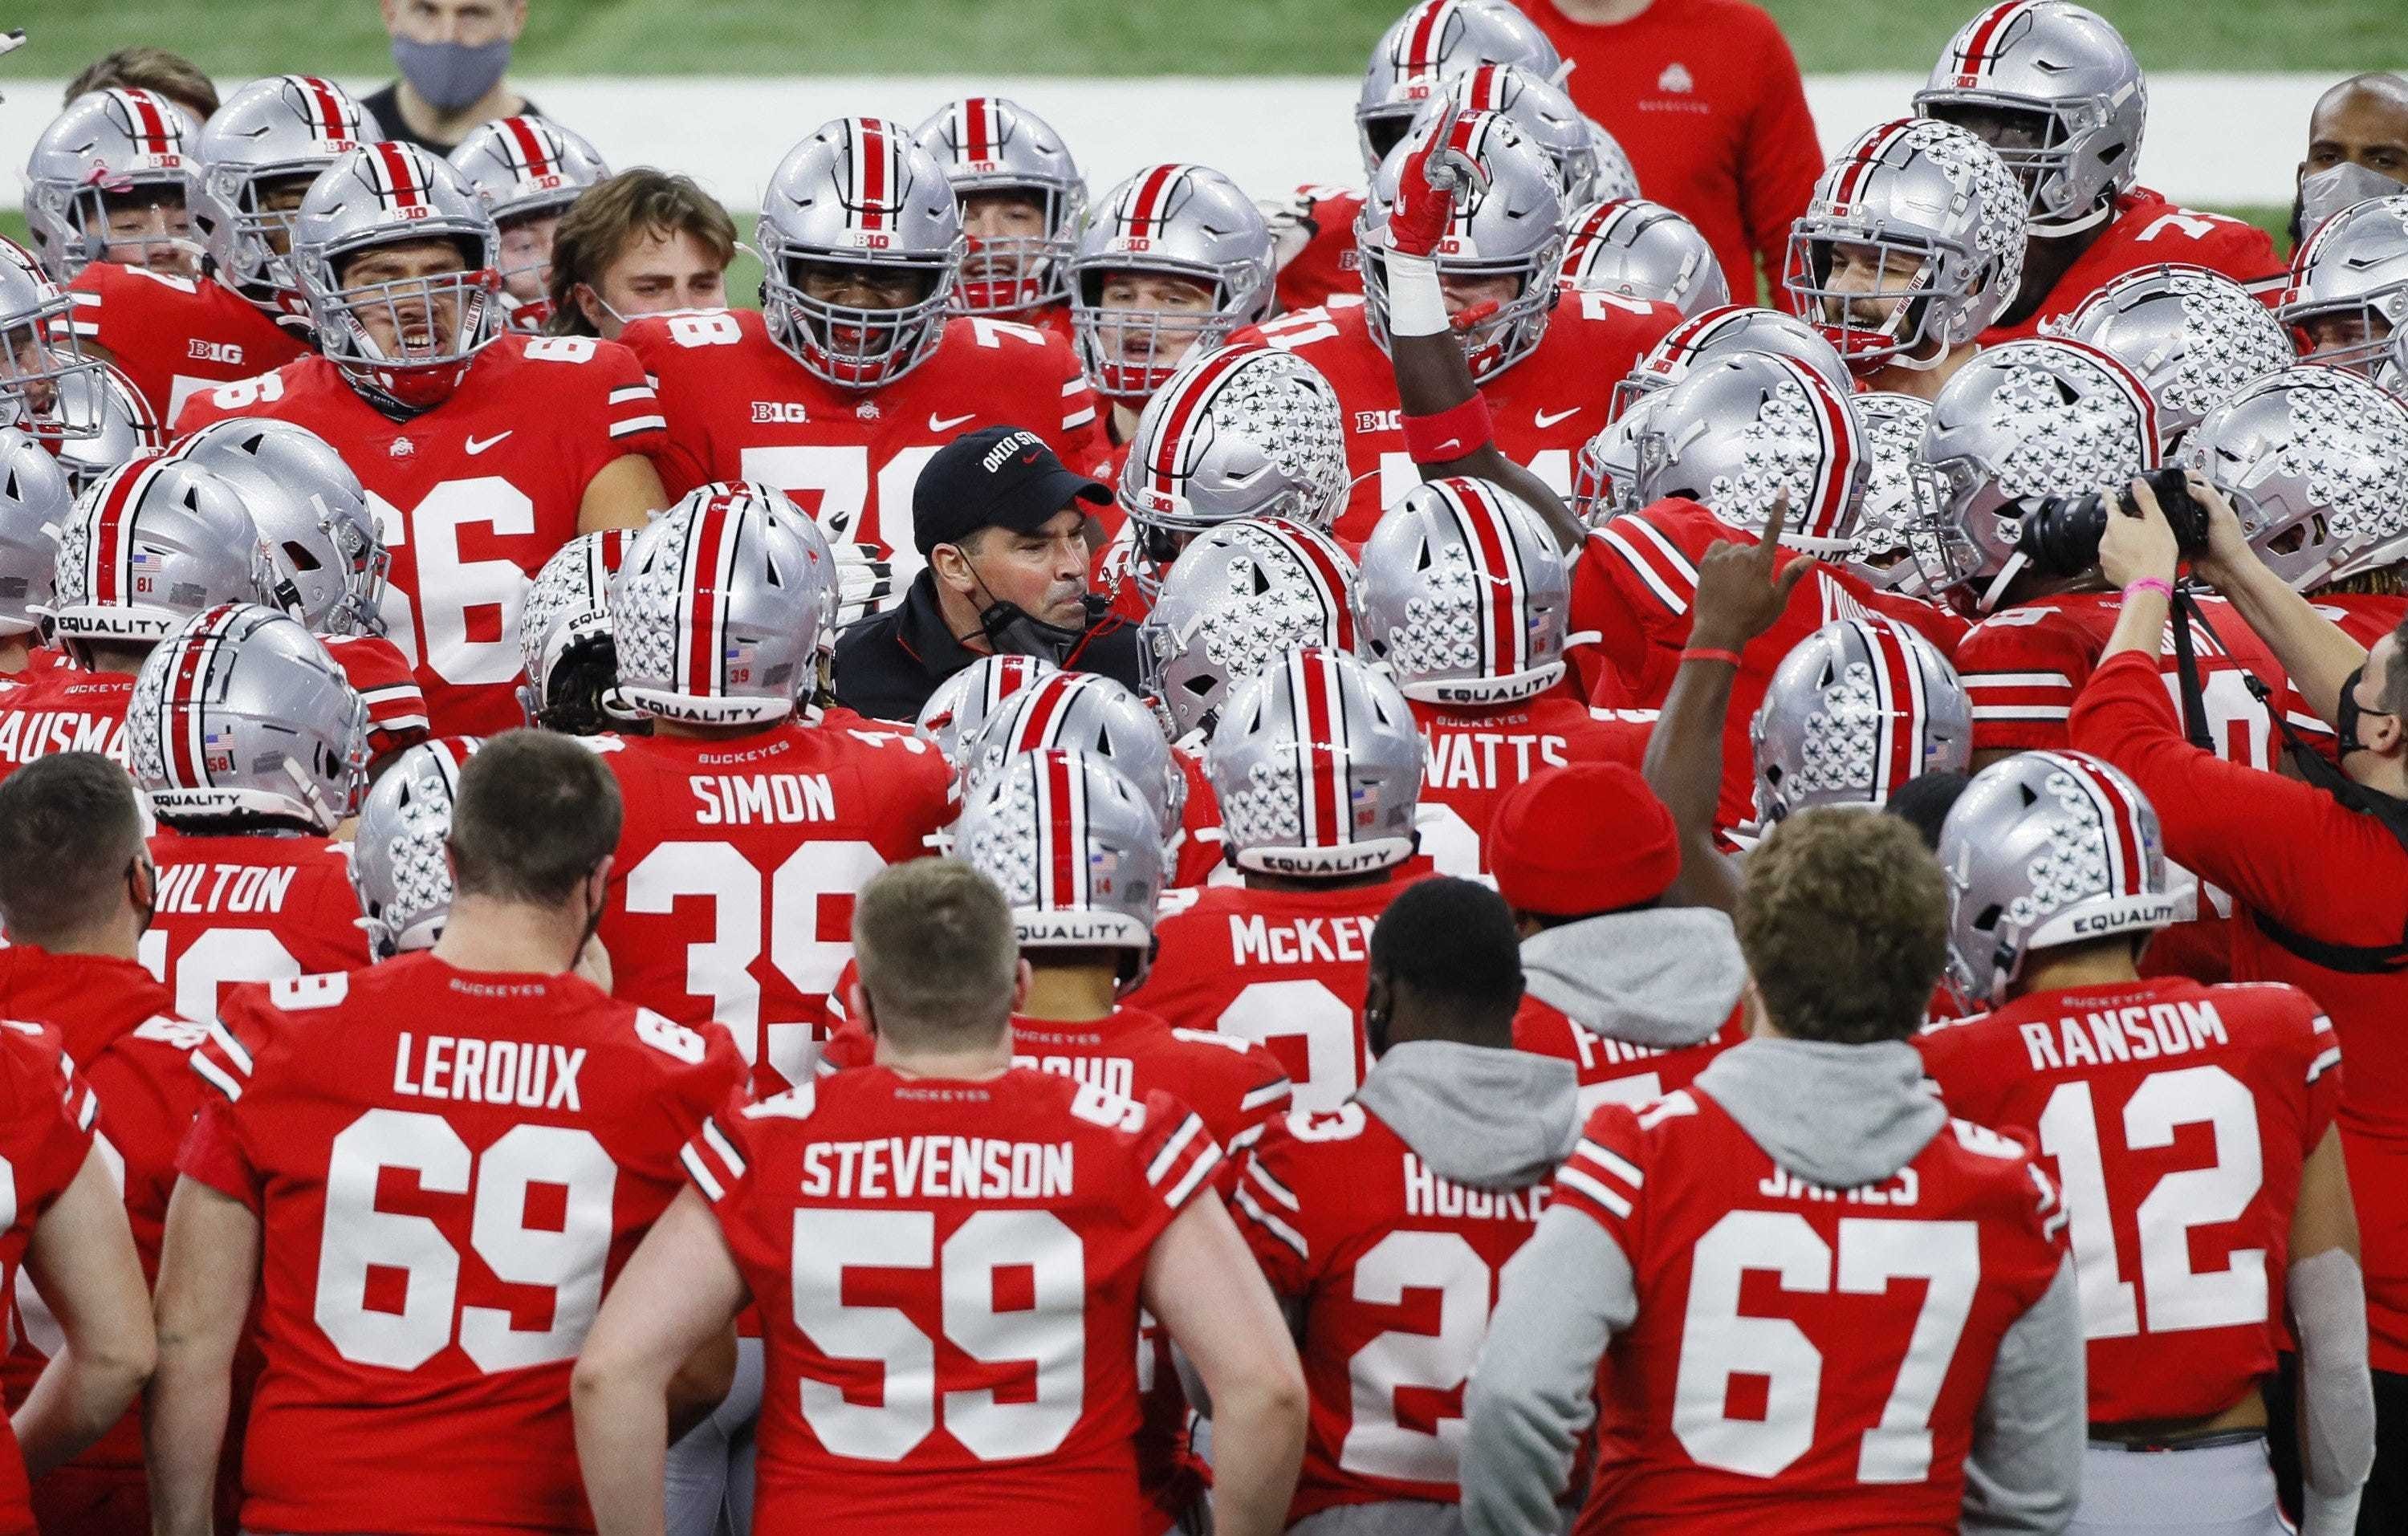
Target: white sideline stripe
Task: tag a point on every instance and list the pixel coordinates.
(2212, 137)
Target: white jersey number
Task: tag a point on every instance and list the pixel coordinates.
(215, 961)
(836, 477)
(449, 590)
(1376, 1445)
(1327, 1023)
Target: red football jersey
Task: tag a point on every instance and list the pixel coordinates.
(1612, 1071)
(1471, 757)
(948, 1275)
(1390, 1272)
(732, 895)
(740, 408)
(1330, 264)
(2145, 231)
(1750, 1384)
(2176, 1118)
(382, 676)
(1544, 407)
(256, 907)
(448, 1168)
(64, 709)
(176, 337)
(1283, 969)
(46, 1119)
(471, 497)
(1632, 584)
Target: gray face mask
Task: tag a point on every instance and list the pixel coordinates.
(451, 75)
(2338, 187)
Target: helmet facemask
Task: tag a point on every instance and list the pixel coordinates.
(1129, 350)
(44, 373)
(409, 339)
(1891, 321)
(246, 215)
(1011, 274)
(855, 346)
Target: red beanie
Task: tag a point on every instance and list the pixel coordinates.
(1584, 838)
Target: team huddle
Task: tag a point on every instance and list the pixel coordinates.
(1369, 863)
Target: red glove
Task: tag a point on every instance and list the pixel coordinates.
(1433, 176)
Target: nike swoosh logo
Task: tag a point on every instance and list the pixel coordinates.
(476, 446)
(946, 423)
(1549, 418)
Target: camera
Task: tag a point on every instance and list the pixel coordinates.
(2059, 534)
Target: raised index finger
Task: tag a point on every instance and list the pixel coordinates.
(1776, 522)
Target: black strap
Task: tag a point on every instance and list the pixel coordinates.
(2194, 700)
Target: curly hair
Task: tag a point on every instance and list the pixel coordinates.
(1843, 918)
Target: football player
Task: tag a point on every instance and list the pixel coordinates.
(527, 172)
(1644, 250)
(398, 870)
(854, 371)
(157, 542)
(746, 828)
(540, 1121)
(1427, 1179)
(2194, 337)
(2054, 89)
(42, 361)
(1434, 40)
(176, 335)
(34, 498)
(76, 890)
(1909, 1351)
(1319, 767)
(2348, 287)
(419, 388)
(2101, 1066)
(572, 663)
(113, 178)
(1464, 601)
(1913, 245)
(1242, 595)
(1015, 1214)
(253, 750)
(1535, 349)
(1636, 995)
(1022, 200)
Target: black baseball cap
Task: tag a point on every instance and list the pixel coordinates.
(998, 476)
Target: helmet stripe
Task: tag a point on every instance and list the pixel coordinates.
(533, 161)
(1864, 159)
(2119, 820)
(873, 180)
(1049, 701)
(1988, 30)
(2135, 393)
(109, 556)
(710, 550)
(403, 185)
(153, 125)
(331, 116)
(1314, 677)
(1061, 810)
(1898, 682)
(1145, 207)
(1183, 410)
(1503, 637)
(977, 129)
(1485, 89)
(1320, 558)
(182, 720)
(1425, 37)
(1842, 449)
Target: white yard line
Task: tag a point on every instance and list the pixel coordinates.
(2213, 138)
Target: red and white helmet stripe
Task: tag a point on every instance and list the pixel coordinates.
(1903, 714)
(332, 114)
(1062, 869)
(1843, 448)
(1497, 566)
(1863, 158)
(183, 734)
(1170, 454)
(156, 127)
(533, 149)
(1319, 555)
(2119, 820)
(109, 550)
(875, 171)
(1148, 200)
(1324, 811)
(706, 573)
(977, 129)
(2134, 391)
(399, 175)
(1421, 46)
(1985, 38)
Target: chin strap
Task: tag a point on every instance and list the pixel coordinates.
(2040, 230)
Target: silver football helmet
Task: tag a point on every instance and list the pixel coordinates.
(1642, 250)
(398, 869)
(2037, 418)
(35, 502)
(240, 713)
(1317, 765)
(1240, 597)
(1589, 164)
(1880, 546)
(103, 422)
(2314, 461)
(1076, 851)
(1436, 40)
(267, 143)
(1605, 478)
(153, 543)
(571, 661)
(718, 609)
(1094, 714)
(964, 703)
(990, 145)
(1464, 597)
(2048, 848)
(1854, 711)
(2193, 335)
(525, 169)
(1937, 218)
(1180, 222)
(1236, 432)
(858, 195)
(42, 349)
(312, 516)
(2058, 92)
(108, 144)
(1512, 227)
(1722, 333)
(383, 194)
(1737, 432)
(2348, 291)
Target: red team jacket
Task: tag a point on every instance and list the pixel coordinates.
(2178, 1101)
(446, 1166)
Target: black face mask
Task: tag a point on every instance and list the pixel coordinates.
(1012, 629)
(2346, 716)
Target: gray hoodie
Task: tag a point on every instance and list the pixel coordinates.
(1442, 1100)
(1837, 1115)
(1657, 979)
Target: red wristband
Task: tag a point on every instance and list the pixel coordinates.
(1707, 653)
(1449, 435)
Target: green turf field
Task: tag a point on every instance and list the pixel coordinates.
(236, 38)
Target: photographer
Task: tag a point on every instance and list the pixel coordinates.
(2319, 871)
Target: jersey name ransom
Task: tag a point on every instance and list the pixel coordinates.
(905, 1168)
(2123, 1034)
